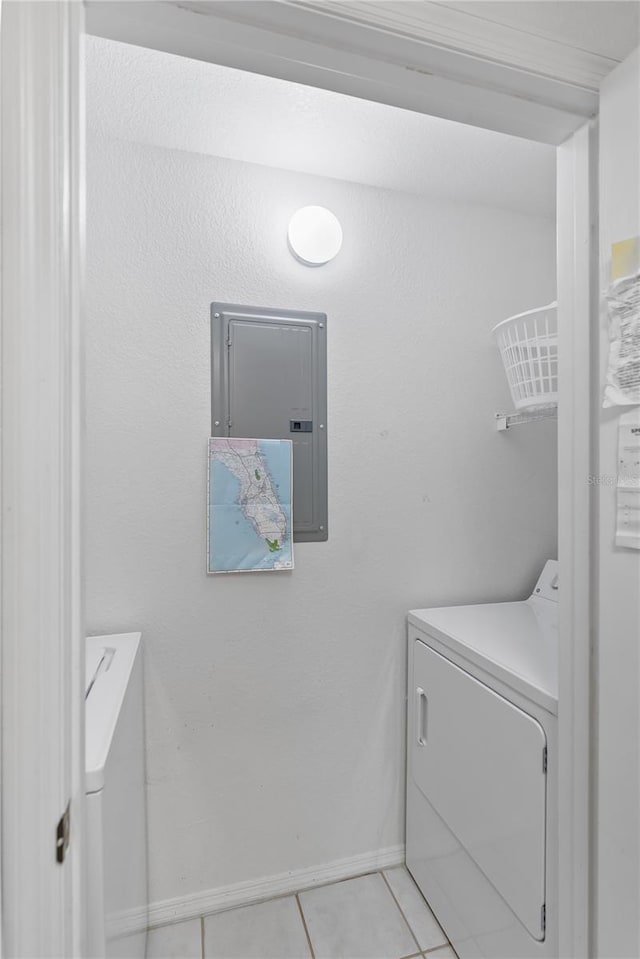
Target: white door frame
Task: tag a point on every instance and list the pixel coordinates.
(473, 89)
(41, 451)
(45, 403)
(578, 298)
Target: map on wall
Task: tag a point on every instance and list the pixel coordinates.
(249, 515)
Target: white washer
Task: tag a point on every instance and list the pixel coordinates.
(482, 771)
(115, 798)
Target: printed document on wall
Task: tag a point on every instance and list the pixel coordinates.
(249, 509)
(623, 304)
(628, 492)
(623, 371)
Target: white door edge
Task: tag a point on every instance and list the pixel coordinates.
(578, 334)
(42, 630)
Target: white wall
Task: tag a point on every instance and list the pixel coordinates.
(618, 676)
(275, 702)
(204, 107)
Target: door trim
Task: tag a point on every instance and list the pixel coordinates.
(41, 450)
(307, 47)
(577, 544)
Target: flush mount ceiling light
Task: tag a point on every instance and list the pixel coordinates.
(315, 235)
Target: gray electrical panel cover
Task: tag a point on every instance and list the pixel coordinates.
(269, 381)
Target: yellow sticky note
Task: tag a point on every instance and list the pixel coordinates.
(625, 258)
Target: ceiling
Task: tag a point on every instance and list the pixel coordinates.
(529, 69)
(578, 41)
(606, 28)
(145, 95)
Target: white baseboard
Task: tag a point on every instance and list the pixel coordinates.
(282, 884)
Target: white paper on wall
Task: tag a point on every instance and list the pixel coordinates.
(628, 486)
(623, 371)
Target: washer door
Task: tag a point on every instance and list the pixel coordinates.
(481, 763)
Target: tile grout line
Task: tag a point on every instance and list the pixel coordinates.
(280, 895)
(447, 941)
(414, 955)
(306, 930)
(413, 935)
(447, 945)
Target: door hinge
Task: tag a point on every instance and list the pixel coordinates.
(62, 834)
(544, 760)
(543, 918)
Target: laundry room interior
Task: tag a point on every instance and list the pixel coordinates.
(276, 702)
(320, 479)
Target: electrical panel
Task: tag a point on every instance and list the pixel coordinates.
(269, 381)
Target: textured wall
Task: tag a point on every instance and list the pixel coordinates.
(275, 701)
(207, 108)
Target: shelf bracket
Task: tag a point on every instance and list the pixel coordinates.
(504, 421)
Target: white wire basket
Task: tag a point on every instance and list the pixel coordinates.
(528, 344)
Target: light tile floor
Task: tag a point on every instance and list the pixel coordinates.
(381, 915)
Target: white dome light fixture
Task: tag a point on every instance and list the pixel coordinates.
(315, 235)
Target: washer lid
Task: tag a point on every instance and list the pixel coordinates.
(109, 662)
(515, 642)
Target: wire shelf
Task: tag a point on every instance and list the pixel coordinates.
(504, 421)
